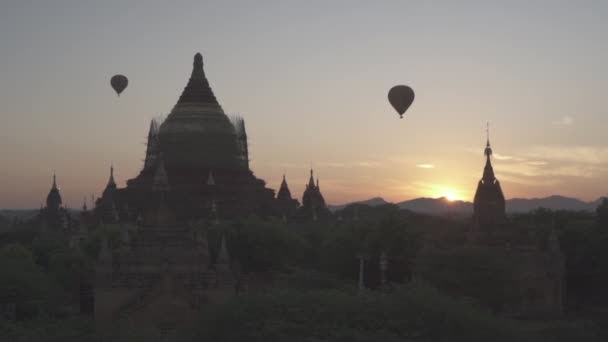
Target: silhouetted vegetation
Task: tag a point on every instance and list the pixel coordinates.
(315, 267)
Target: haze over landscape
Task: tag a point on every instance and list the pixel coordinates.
(313, 92)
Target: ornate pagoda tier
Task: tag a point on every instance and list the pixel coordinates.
(198, 142)
(197, 132)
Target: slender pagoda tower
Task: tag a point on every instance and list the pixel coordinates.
(313, 203)
(489, 202)
(53, 199)
(286, 205)
(198, 139)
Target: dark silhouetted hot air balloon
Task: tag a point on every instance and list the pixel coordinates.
(119, 83)
(401, 98)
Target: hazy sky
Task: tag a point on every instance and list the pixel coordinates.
(311, 78)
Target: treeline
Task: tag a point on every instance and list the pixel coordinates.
(316, 268)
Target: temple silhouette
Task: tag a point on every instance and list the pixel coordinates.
(527, 261)
(197, 164)
(489, 201)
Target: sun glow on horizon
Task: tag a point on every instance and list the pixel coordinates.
(448, 193)
(450, 196)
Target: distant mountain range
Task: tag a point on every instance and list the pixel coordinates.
(434, 206)
(442, 205)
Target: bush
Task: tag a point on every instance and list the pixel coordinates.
(23, 282)
(411, 313)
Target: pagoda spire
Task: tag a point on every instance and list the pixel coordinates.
(311, 181)
(198, 89)
(489, 200)
(152, 146)
(284, 192)
(488, 170)
(53, 199)
(111, 182)
(488, 150)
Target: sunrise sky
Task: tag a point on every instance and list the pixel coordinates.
(311, 78)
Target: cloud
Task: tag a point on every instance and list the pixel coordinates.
(544, 154)
(546, 170)
(550, 166)
(536, 162)
(416, 187)
(502, 156)
(426, 166)
(528, 181)
(572, 154)
(564, 121)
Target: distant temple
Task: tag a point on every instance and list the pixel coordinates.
(106, 206)
(524, 262)
(286, 205)
(313, 203)
(54, 218)
(489, 201)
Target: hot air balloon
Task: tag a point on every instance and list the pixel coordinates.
(401, 98)
(119, 83)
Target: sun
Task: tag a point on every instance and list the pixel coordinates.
(448, 193)
(451, 196)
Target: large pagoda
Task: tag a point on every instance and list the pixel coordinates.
(205, 157)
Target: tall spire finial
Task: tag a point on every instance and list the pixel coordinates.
(488, 150)
(488, 133)
(198, 60)
(54, 181)
(311, 181)
(111, 182)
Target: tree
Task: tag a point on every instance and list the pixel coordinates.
(24, 283)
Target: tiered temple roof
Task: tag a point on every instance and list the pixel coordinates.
(489, 201)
